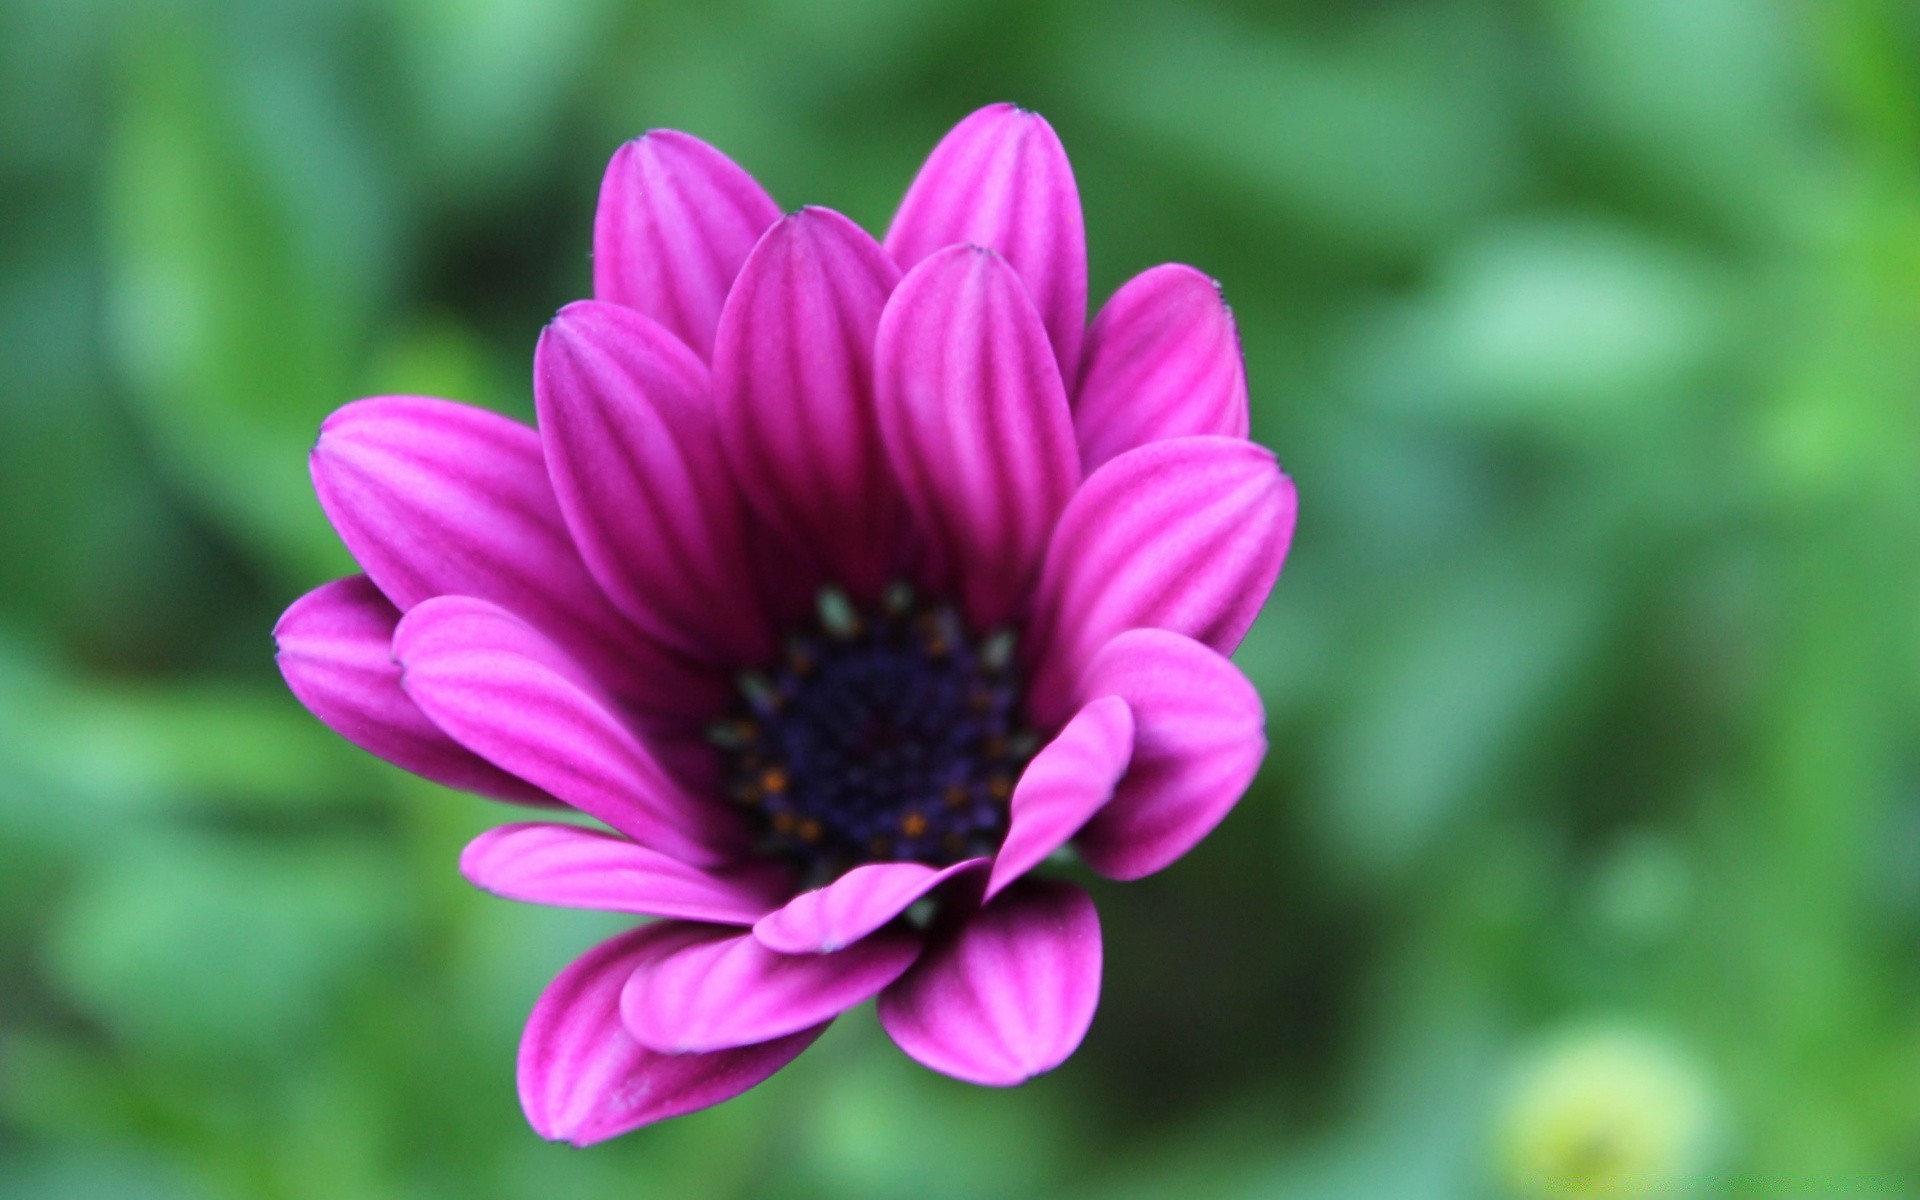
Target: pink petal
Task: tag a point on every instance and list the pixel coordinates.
(1065, 784)
(584, 1079)
(676, 220)
(436, 498)
(502, 690)
(1008, 995)
(976, 425)
(1186, 534)
(724, 989)
(335, 647)
(793, 378)
(634, 449)
(1001, 179)
(1199, 736)
(1162, 360)
(571, 867)
(830, 918)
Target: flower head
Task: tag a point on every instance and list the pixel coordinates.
(844, 582)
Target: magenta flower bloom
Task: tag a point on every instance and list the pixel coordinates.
(845, 583)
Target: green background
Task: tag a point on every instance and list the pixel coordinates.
(1590, 836)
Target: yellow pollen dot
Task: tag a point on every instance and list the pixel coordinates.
(913, 824)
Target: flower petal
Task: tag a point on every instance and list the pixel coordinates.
(1065, 784)
(793, 379)
(976, 425)
(1162, 360)
(634, 449)
(1001, 179)
(435, 498)
(571, 867)
(723, 989)
(1199, 736)
(833, 917)
(676, 220)
(502, 690)
(335, 648)
(1186, 534)
(584, 1079)
(1009, 994)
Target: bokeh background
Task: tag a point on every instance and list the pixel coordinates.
(1587, 858)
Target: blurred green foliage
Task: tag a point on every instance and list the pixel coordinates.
(1587, 860)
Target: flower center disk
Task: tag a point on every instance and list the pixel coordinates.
(882, 736)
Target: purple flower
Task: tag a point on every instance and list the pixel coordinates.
(845, 582)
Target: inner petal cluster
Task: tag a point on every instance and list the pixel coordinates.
(887, 734)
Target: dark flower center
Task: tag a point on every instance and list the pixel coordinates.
(883, 735)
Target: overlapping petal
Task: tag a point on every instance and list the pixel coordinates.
(582, 1076)
(1186, 534)
(833, 917)
(1069, 781)
(1199, 736)
(1009, 994)
(1162, 360)
(571, 867)
(633, 445)
(334, 645)
(503, 690)
(977, 425)
(714, 988)
(435, 498)
(1001, 179)
(793, 379)
(676, 219)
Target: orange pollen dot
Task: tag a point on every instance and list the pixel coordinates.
(774, 779)
(913, 824)
(956, 795)
(1000, 787)
(810, 830)
(783, 822)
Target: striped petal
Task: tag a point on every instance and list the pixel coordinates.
(1001, 179)
(634, 448)
(504, 691)
(715, 989)
(1008, 995)
(1199, 736)
(1069, 781)
(1162, 360)
(335, 648)
(793, 379)
(676, 220)
(833, 917)
(976, 425)
(570, 867)
(1186, 534)
(582, 1077)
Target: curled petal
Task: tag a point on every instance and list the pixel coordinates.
(502, 690)
(720, 989)
(634, 448)
(676, 220)
(1199, 736)
(1001, 179)
(335, 648)
(1186, 534)
(793, 378)
(570, 867)
(582, 1077)
(1162, 360)
(976, 425)
(851, 907)
(1069, 781)
(435, 498)
(1006, 996)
